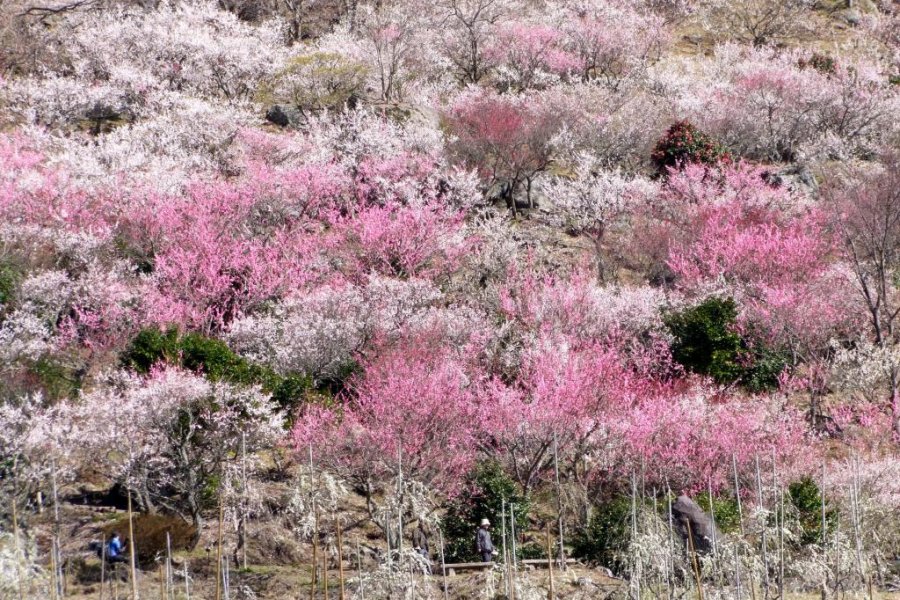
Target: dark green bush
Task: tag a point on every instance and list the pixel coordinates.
(9, 281)
(706, 342)
(485, 489)
(725, 510)
(214, 359)
(806, 499)
(685, 144)
(149, 347)
(607, 535)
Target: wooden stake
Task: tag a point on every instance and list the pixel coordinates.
(551, 594)
(219, 573)
(54, 572)
(559, 508)
(443, 567)
(694, 560)
(15, 521)
(131, 550)
(737, 547)
(244, 520)
(187, 585)
(340, 560)
(102, 565)
(634, 534)
(765, 555)
(325, 570)
(362, 587)
(313, 584)
(505, 553)
(515, 558)
(162, 584)
(671, 539)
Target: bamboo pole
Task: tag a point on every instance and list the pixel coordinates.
(54, 572)
(634, 534)
(559, 507)
(505, 553)
(737, 548)
(671, 541)
(162, 582)
(58, 592)
(102, 565)
(694, 560)
(218, 569)
(551, 594)
(325, 569)
(313, 583)
(15, 519)
(340, 548)
(131, 550)
(187, 584)
(170, 580)
(443, 564)
(515, 558)
(362, 587)
(765, 555)
(781, 543)
(244, 520)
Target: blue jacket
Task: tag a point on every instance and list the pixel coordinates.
(114, 547)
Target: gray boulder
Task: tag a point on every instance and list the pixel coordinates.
(688, 516)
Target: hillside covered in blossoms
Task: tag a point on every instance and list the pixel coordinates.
(298, 279)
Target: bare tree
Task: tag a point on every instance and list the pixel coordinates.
(760, 22)
(467, 24)
(867, 217)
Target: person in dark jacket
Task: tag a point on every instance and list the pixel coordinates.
(483, 542)
(420, 540)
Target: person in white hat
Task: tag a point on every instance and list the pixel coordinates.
(483, 542)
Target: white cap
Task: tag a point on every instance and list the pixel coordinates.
(485, 522)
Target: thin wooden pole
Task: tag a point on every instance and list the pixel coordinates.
(515, 558)
(559, 507)
(551, 594)
(694, 561)
(162, 582)
(737, 547)
(443, 564)
(505, 552)
(244, 520)
(54, 572)
(671, 540)
(325, 569)
(362, 587)
(340, 548)
(219, 573)
(313, 583)
(636, 577)
(102, 565)
(170, 579)
(131, 550)
(781, 543)
(762, 536)
(187, 584)
(18, 551)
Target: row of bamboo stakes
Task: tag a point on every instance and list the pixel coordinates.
(57, 588)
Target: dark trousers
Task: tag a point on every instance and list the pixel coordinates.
(487, 557)
(115, 559)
